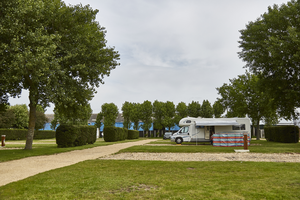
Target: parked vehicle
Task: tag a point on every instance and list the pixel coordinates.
(167, 135)
(201, 129)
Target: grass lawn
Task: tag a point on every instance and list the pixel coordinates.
(106, 179)
(110, 179)
(43, 147)
(256, 146)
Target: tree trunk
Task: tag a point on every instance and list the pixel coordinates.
(257, 130)
(31, 126)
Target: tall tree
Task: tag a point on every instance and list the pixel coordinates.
(99, 119)
(244, 96)
(158, 114)
(135, 115)
(206, 110)
(270, 48)
(110, 113)
(181, 112)
(218, 109)
(80, 117)
(146, 115)
(126, 111)
(21, 116)
(41, 118)
(169, 114)
(7, 118)
(194, 109)
(56, 52)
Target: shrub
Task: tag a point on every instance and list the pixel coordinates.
(66, 135)
(133, 134)
(44, 134)
(284, 134)
(110, 134)
(20, 134)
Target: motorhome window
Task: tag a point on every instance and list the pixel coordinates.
(188, 121)
(185, 129)
(239, 127)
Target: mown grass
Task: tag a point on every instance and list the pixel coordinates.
(106, 179)
(43, 147)
(257, 146)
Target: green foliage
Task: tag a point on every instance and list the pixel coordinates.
(158, 114)
(55, 51)
(206, 111)
(146, 115)
(99, 119)
(21, 116)
(41, 120)
(181, 112)
(218, 109)
(194, 109)
(7, 118)
(70, 135)
(133, 134)
(169, 114)
(20, 134)
(126, 111)
(135, 115)
(113, 134)
(78, 117)
(270, 49)
(110, 113)
(285, 134)
(245, 96)
(66, 135)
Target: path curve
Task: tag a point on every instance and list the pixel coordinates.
(16, 170)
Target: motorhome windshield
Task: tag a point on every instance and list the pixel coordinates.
(184, 129)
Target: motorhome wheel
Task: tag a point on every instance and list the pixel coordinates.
(178, 140)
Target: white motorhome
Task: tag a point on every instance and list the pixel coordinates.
(201, 129)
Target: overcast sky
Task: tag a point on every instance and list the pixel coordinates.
(171, 50)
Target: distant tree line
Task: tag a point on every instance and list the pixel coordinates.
(17, 116)
(161, 114)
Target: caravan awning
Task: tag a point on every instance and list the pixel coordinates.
(216, 123)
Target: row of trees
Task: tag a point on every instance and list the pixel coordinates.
(161, 114)
(17, 116)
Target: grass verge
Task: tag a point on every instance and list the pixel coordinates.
(43, 148)
(257, 146)
(106, 179)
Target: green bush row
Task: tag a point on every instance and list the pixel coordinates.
(284, 134)
(20, 134)
(72, 135)
(133, 134)
(113, 134)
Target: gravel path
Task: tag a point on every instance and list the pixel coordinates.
(255, 157)
(15, 170)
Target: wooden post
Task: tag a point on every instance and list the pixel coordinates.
(3, 140)
(245, 141)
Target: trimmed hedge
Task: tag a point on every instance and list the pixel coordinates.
(113, 134)
(20, 134)
(133, 134)
(71, 135)
(284, 134)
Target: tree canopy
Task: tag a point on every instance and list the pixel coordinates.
(244, 96)
(110, 113)
(270, 47)
(56, 52)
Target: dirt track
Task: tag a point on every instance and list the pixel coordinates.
(15, 170)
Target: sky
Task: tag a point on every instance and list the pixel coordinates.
(170, 50)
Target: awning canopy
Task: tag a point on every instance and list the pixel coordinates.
(216, 123)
